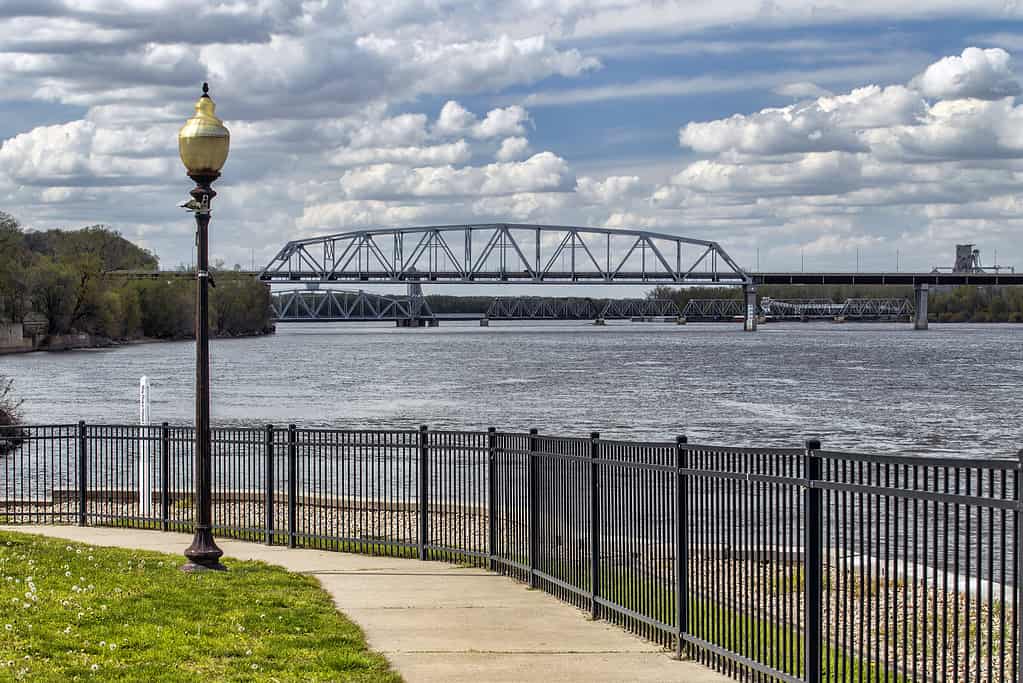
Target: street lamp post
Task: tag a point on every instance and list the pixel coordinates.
(203, 144)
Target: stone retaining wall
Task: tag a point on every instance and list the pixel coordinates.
(12, 338)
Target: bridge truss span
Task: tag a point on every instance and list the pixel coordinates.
(331, 305)
(543, 308)
(892, 309)
(504, 253)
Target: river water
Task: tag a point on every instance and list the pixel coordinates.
(870, 387)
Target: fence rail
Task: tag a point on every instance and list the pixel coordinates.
(764, 563)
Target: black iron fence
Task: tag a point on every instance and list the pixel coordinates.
(764, 563)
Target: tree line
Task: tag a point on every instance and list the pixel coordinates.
(58, 276)
(954, 304)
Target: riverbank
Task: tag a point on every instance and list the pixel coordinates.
(13, 340)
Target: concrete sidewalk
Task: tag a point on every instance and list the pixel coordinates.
(439, 622)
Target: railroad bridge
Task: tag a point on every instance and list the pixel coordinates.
(413, 310)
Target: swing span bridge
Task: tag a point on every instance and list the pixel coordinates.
(333, 305)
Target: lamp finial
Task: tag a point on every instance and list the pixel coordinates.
(205, 89)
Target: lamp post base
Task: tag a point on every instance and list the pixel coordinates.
(203, 554)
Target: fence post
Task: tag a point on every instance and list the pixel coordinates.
(681, 542)
(424, 491)
(534, 511)
(83, 479)
(268, 448)
(1017, 521)
(492, 497)
(292, 484)
(813, 561)
(164, 476)
(594, 525)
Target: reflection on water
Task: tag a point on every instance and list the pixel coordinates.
(870, 387)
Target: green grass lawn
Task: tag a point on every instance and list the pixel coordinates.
(73, 612)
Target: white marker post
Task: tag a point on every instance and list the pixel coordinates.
(145, 480)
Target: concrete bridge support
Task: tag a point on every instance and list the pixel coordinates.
(920, 321)
(749, 296)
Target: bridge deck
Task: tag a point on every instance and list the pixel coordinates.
(885, 278)
(566, 278)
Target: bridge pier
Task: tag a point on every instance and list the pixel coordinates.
(920, 321)
(749, 296)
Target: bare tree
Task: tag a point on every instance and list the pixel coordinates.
(11, 434)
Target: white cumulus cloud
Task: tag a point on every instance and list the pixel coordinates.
(609, 191)
(541, 172)
(512, 148)
(456, 120)
(984, 74)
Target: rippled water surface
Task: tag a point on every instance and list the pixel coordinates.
(954, 388)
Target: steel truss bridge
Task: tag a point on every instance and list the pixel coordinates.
(504, 253)
(334, 305)
(538, 308)
(511, 253)
(802, 309)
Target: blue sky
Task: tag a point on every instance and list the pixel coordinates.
(777, 127)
